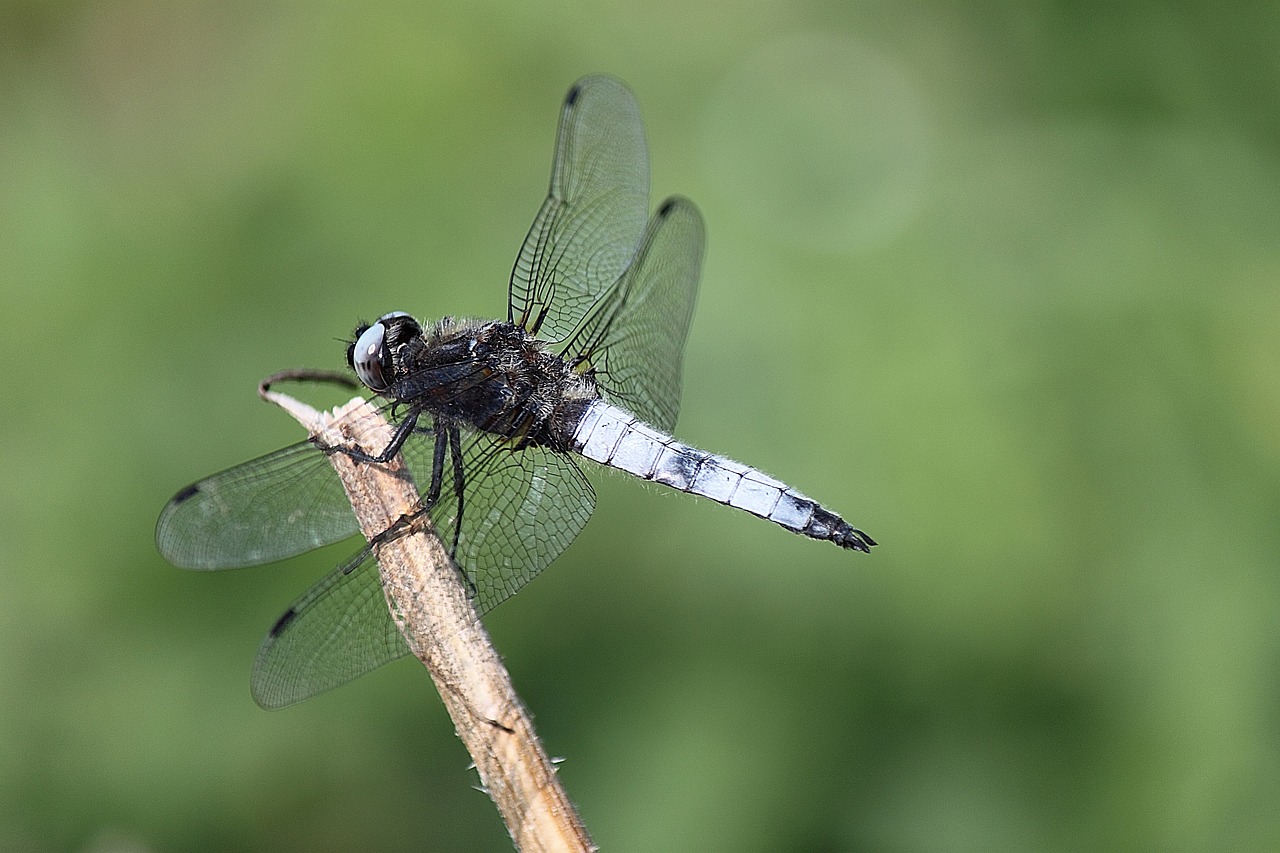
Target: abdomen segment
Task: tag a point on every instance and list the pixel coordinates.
(615, 437)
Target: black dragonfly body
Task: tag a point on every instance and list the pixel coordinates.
(491, 415)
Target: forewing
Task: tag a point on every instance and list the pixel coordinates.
(522, 509)
(270, 508)
(635, 337)
(339, 629)
(587, 231)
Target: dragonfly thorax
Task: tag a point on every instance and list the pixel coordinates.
(493, 376)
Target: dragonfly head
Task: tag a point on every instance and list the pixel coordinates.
(373, 353)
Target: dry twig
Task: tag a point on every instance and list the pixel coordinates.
(430, 605)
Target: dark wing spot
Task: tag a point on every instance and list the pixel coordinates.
(664, 209)
(572, 98)
(282, 623)
(185, 494)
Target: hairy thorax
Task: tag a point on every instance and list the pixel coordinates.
(494, 377)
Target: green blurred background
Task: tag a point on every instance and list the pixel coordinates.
(998, 281)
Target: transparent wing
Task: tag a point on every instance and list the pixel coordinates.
(635, 337)
(522, 510)
(587, 231)
(270, 508)
(339, 629)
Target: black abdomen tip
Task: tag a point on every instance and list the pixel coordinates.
(854, 539)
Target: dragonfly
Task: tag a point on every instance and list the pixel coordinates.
(494, 417)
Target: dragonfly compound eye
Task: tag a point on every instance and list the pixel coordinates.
(369, 355)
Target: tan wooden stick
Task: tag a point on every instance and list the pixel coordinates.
(430, 605)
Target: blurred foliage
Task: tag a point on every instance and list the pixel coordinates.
(998, 281)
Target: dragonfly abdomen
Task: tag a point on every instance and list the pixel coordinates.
(613, 436)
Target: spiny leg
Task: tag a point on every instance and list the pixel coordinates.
(428, 501)
(459, 484)
(403, 430)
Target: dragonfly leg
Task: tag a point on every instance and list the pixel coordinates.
(459, 481)
(403, 430)
(401, 525)
(305, 374)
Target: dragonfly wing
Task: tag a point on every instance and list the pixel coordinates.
(588, 229)
(521, 510)
(267, 509)
(634, 338)
(339, 629)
